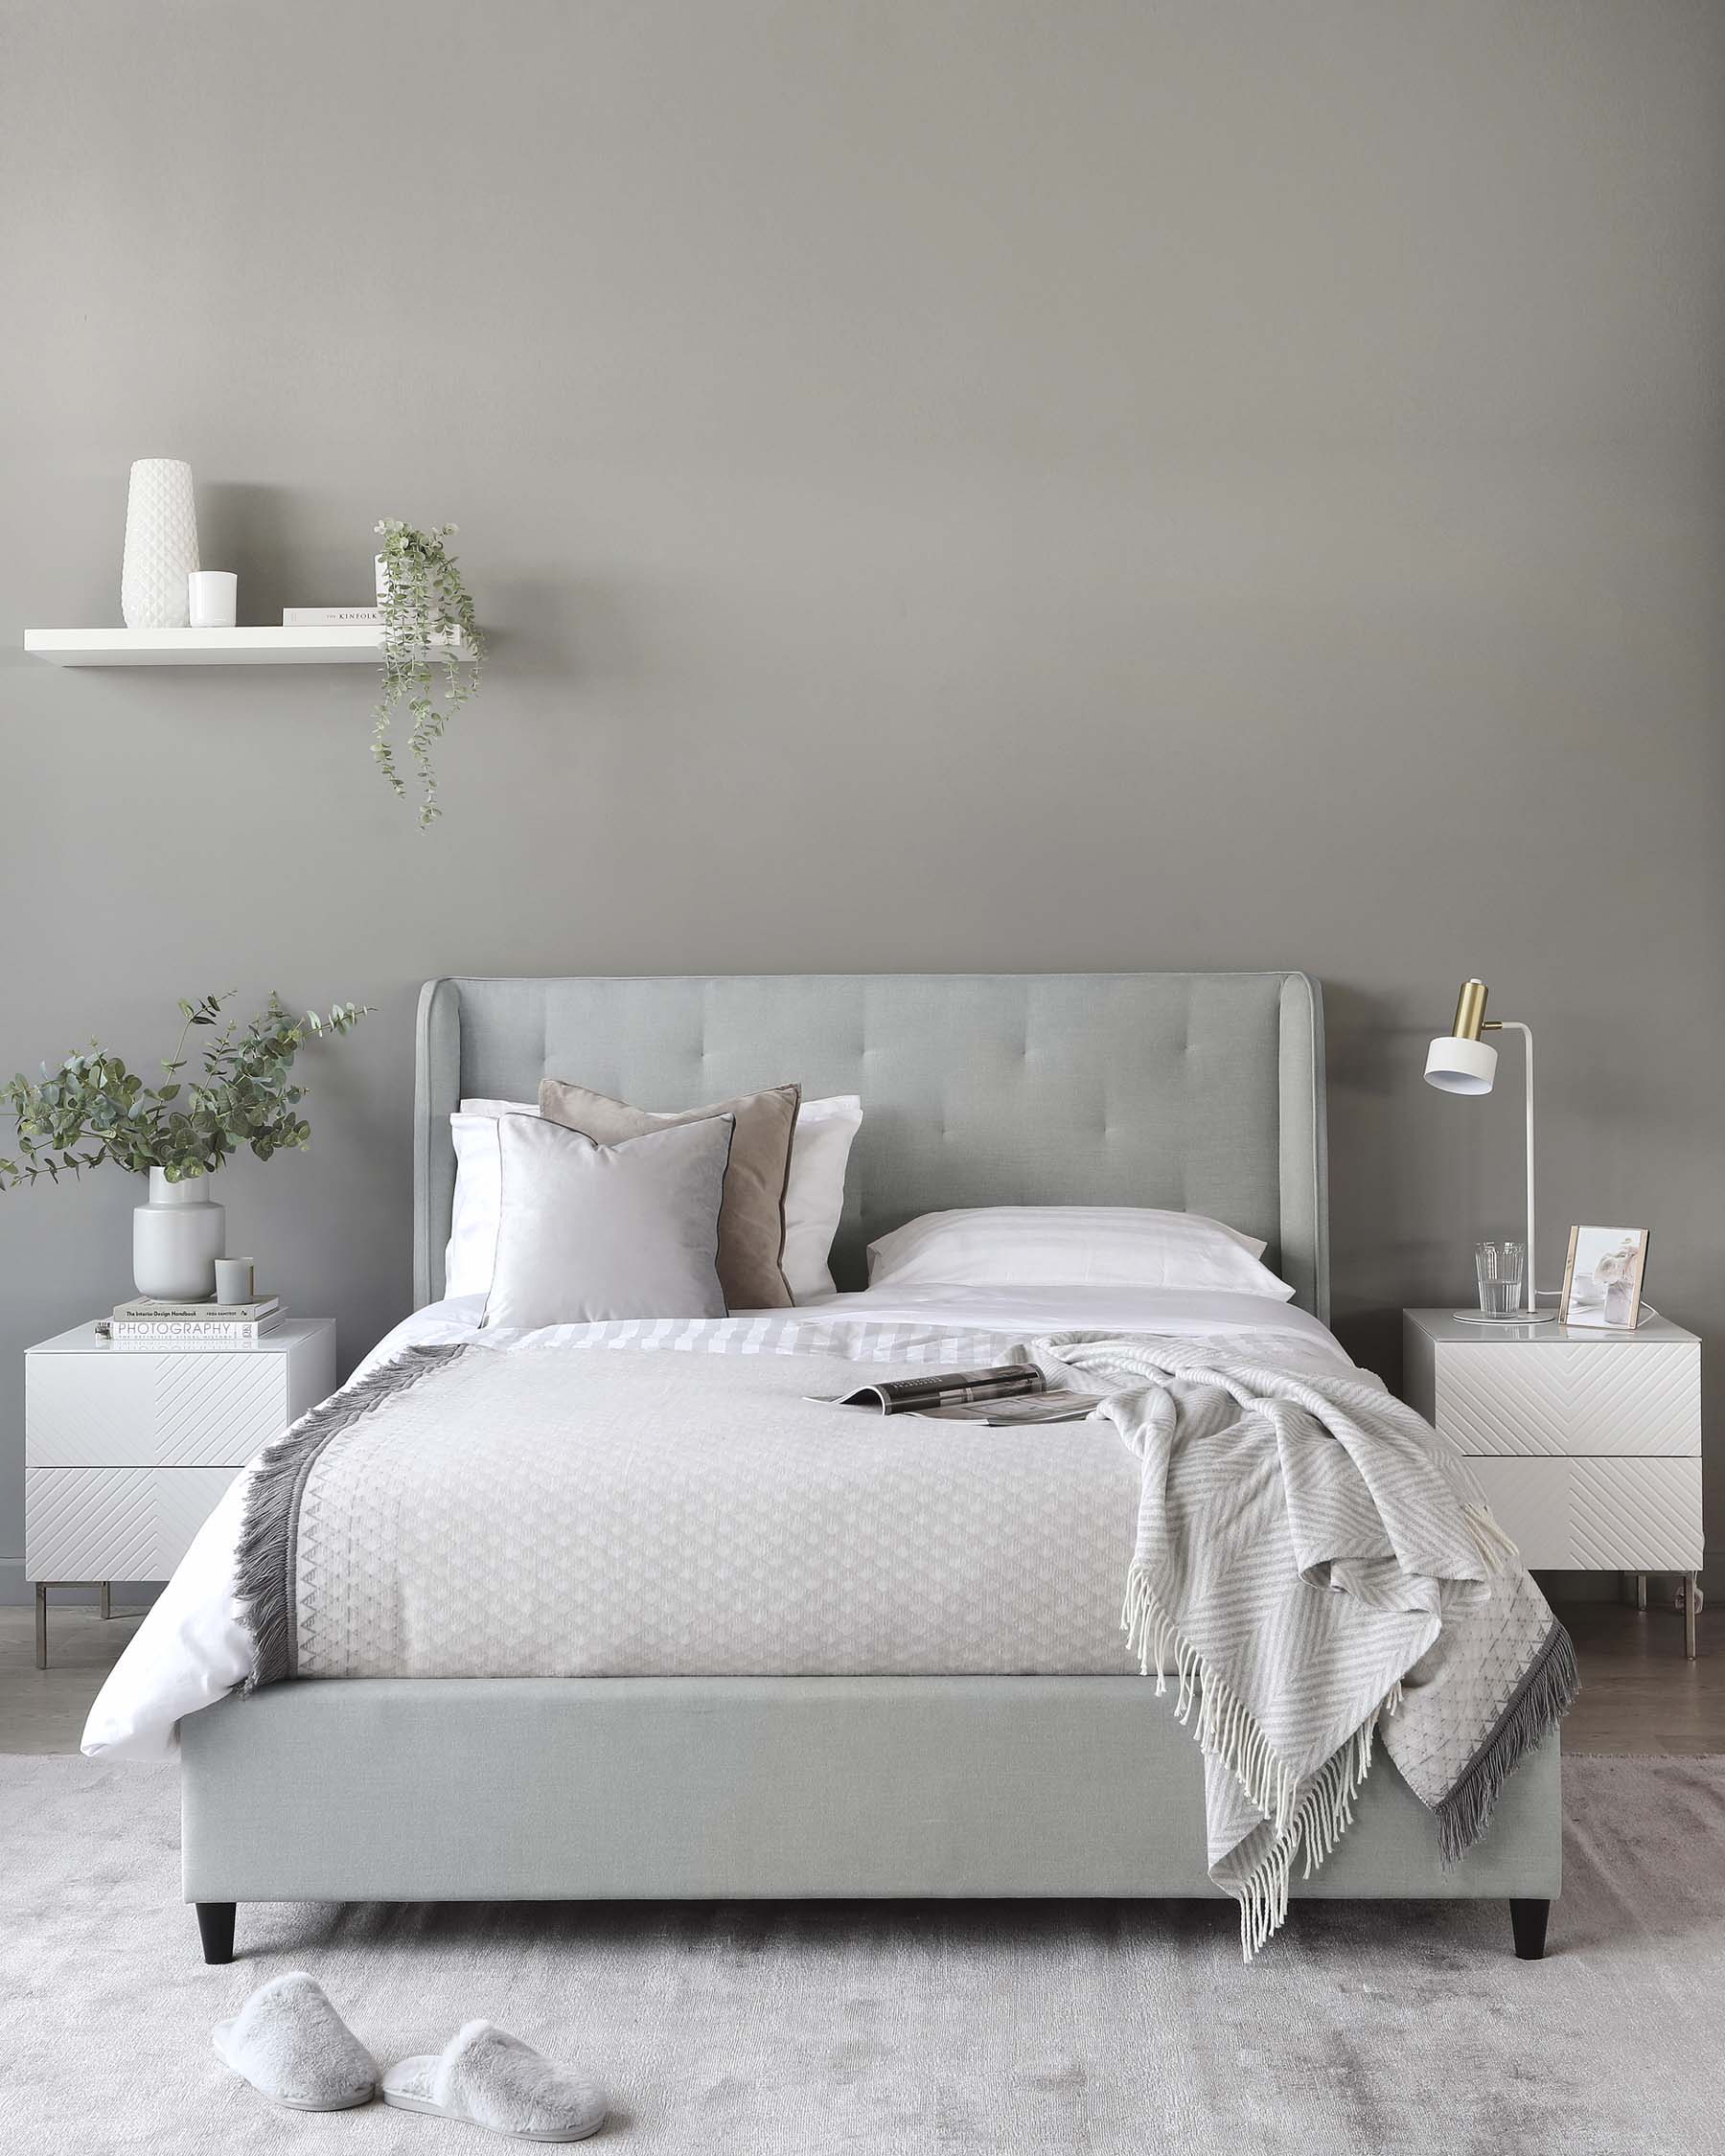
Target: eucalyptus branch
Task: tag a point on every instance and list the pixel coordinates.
(246, 1096)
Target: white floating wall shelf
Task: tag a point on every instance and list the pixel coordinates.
(212, 647)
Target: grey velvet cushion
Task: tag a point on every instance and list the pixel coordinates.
(751, 1223)
(591, 1232)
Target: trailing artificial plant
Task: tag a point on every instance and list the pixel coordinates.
(431, 649)
(245, 1096)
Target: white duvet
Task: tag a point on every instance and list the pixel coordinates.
(193, 1647)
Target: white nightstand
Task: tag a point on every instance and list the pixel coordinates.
(1587, 1444)
(127, 1450)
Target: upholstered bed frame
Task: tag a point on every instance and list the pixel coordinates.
(1199, 1091)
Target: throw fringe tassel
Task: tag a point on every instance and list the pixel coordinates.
(1228, 1730)
(264, 1572)
(1496, 1551)
(1541, 1700)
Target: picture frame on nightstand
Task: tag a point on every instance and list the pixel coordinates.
(1602, 1278)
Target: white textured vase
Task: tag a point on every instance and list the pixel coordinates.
(177, 1239)
(161, 545)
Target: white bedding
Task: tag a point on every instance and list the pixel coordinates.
(193, 1647)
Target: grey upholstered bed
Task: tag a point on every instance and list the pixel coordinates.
(1202, 1090)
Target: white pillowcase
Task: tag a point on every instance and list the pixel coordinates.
(470, 1254)
(1072, 1247)
(814, 1192)
(814, 1195)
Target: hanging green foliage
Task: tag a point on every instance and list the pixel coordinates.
(432, 651)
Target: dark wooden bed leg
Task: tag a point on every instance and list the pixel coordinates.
(216, 1929)
(1529, 1919)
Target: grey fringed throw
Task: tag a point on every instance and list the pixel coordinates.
(1317, 1567)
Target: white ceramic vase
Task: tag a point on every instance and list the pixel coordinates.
(177, 1239)
(161, 545)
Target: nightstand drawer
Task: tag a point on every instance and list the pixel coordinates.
(127, 1409)
(1630, 1400)
(115, 1522)
(1606, 1515)
(1637, 1400)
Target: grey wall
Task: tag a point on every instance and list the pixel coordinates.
(990, 484)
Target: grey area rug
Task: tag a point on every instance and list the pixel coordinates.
(757, 2029)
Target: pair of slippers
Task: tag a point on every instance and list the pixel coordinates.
(293, 2046)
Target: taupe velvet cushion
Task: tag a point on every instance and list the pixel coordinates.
(590, 1232)
(751, 1222)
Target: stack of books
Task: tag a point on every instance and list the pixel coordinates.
(329, 617)
(148, 1322)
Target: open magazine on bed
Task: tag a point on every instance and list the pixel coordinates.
(1008, 1392)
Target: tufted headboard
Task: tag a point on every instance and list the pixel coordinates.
(1196, 1091)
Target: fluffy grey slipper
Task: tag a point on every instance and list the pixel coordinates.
(293, 2046)
(487, 2078)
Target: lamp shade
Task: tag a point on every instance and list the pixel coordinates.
(1457, 1066)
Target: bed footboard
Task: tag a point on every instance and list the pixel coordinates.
(763, 1788)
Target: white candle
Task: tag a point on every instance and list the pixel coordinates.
(213, 598)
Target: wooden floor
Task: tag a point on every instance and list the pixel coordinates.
(44, 1709)
(1638, 1692)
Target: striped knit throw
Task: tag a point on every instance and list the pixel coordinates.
(1315, 1569)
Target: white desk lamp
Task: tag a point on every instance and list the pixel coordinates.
(1461, 1063)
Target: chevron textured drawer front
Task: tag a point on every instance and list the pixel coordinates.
(209, 1409)
(1565, 1397)
(88, 1412)
(1599, 1515)
(126, 1451)
(115, 1522)
(90, 1523)
(131, 1409)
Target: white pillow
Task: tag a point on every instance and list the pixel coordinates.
(813, 1194)
(1074, 1247)
(471, 1251)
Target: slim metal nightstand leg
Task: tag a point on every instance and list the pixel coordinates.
(1688, 1615)
(41, 1623)
(1641, 1591)
(103, 1593)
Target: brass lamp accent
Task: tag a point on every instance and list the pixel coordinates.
(1470, 1012)
(1461, 1062)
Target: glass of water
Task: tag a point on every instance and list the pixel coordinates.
(1502, 1268)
